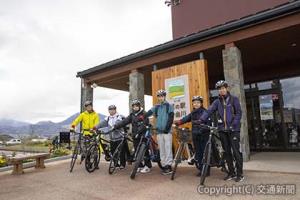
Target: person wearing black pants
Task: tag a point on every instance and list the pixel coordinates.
(113, 146)
(115, 136)
(139, 122)
(200, 142)
(229, 113)
(200, 135)
(231, 140)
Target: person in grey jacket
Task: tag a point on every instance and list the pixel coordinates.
(115, 136)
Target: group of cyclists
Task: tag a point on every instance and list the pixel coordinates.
(227, 107)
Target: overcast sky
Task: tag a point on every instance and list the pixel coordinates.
(43, 44)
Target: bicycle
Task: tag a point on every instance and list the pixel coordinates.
(184, 136)
(213, 155)
(93, 153)
(146, 143)
(79, 149)
(115, 159)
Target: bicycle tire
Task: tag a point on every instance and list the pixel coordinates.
(207, 154)
(139, 159)
(74, 157)
(177, 160)
(114, 161)
(92, 158)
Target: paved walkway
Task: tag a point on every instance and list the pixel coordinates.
(56, 182)
(283, 162)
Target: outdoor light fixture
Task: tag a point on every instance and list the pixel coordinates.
(94, 85)
(172, 2)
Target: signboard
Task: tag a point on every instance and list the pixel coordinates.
(266, 107)
(178, 95)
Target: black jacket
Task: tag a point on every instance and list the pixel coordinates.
(137, 120)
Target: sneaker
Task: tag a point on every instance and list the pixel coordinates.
(191, 161)
(229, 177)
(139, 169)
(239, 178)
(122, 167)
(167, 170)
(145, 170)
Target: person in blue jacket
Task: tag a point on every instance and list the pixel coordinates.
(200, 135)
(164, 114)
(229, 113)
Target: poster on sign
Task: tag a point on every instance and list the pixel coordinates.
(266, 107)
(178, 95)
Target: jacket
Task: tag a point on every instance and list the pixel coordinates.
(89, 121)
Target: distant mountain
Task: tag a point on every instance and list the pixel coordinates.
(43, 128)
(12, 123)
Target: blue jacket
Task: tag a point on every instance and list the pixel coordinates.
(232, 109)
(195, 117)
(164, 114)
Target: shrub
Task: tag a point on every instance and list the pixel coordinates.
(3, 161)
(61, 152)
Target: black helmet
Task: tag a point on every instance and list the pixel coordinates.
(161, 92)
(112, 107)
(221, 83)
(136, 102)
(88, 103)
(197, 98)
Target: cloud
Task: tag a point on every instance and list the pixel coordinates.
(43, 44)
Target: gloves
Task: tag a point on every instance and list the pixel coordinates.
(72, 129)
(178, 123)
(93, 130)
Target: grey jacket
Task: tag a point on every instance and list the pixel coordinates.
(110, 121)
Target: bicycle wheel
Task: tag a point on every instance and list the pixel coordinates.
(139, 159)
(206, 162)
(74, 157)
(92, 158)
(177, 160)
(114, 161)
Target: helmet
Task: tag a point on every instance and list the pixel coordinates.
(161, 92)
(88, 103)
(136, 102)
(221, 83)
(112, 107)
(197, 98)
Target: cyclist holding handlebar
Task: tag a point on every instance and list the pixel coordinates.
(229, 110)
(138, 121)
(199, 135)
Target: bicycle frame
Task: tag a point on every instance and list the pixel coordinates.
(150, 143)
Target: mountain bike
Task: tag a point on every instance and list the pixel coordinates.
(115, 159)
(146, 143)
(213, 155)
(93, 153)
(183, 136)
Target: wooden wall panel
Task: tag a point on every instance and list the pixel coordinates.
(198, 79)
(198, 82)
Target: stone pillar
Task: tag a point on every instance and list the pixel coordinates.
(86, 94)
(136, 87)
(233, 73)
